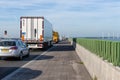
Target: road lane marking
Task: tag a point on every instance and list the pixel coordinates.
(16, 71)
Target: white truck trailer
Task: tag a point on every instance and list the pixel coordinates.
(36, 31)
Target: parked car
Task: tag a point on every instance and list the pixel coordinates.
(13, 48)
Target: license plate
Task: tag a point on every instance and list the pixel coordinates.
(32, 45)
(5, 50)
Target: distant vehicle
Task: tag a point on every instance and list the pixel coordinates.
(55, 37)
(13, 48)
(36, 31)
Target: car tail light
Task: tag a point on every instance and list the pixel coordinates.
(14, 48)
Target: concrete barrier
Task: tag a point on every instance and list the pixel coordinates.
(96, 66)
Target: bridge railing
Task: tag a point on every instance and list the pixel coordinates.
(108, 50)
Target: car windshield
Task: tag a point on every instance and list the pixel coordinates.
(7, 43)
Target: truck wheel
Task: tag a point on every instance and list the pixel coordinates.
(0, 58)
(51, 44)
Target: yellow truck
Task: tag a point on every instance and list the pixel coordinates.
(55, 37)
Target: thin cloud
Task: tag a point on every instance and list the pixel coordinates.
(82, 7)
(63, 13)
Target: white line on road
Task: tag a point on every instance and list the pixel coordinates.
(16, 71)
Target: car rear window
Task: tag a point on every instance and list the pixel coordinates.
(7, 43)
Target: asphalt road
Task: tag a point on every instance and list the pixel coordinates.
(58, 63)
(9, 65)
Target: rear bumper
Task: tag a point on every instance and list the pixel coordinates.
(39, 44)
(10, 54)
(32, 41)
(35, 46)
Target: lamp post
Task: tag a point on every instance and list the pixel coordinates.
(5, 33)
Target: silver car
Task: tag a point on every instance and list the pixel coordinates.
(13, 48)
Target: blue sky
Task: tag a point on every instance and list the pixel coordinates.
(72, 18)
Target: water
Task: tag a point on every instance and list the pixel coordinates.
(105, 38)
(110, 38)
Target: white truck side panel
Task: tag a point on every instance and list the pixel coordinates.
(47, 30)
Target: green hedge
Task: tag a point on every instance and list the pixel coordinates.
(108, 50)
